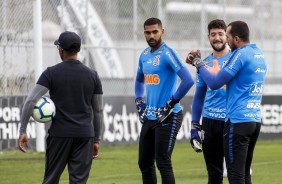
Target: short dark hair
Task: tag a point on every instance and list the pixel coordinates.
(240, 29)
(152, 21)
(217, 24)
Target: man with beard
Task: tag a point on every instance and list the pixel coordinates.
(213, 105)
(244, 74)
(161, 113)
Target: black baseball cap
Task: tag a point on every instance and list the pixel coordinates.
(69, 41)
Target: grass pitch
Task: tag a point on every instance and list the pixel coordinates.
(118, 165)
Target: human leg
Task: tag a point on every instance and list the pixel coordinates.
(80, 160)
(236, 145)
(146, 159)
(213, 149)
(165, 138)
(253, 140)
(56, 158)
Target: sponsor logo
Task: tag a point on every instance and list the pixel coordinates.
(9, 124)
(152, 79)
(149, 61)
(146, 51)
(253, 104)
(271, 114)
(260, 70)
(234, 60)
(217, 110)
(164, 124)
(171, 59)
(217, 115)
(256, 89)
(161, 50)
(258, 56)
(249, 115)
(151, 111)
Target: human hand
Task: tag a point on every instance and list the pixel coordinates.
(141, 109)
(23, 142)
(215, 69)
(194, 58)
(195, 139)
(165, 111)
(95, 150)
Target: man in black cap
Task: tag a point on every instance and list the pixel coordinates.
(74, 134)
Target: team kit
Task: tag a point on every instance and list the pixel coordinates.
(226, 118)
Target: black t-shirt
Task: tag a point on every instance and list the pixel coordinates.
(72, 86)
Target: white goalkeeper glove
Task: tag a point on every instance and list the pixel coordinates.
(196, 137)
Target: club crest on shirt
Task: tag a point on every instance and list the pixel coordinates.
(156, 61)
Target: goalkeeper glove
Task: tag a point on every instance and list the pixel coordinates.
(165, 111)
(196, 140)
(194, 58)
(141, 109)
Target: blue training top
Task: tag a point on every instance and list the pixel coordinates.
(160, 71)
(244, 92)
(215, 100)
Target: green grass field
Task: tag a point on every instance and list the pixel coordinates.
(118, 165)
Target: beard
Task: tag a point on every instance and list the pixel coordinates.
(218, 49)
(154, 43)
(233, 47)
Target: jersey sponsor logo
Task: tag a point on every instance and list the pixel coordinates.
(260, 70)
(253, 104)
(234, 60)
(156, 61)
(217, 112)
(152, 79)
(256, 89)
(258, 56)
(150, 61)
(151, 111)
(250, 115)
(217, 115)
(171, 59)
